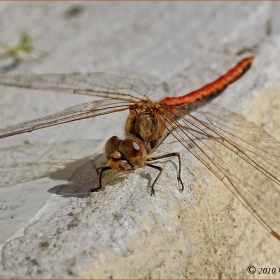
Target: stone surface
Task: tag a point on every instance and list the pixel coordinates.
(49, 228)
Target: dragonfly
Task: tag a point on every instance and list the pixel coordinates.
(239, 153)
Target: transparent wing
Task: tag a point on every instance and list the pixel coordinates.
(244, 157)
(73, 113)
(96, 84)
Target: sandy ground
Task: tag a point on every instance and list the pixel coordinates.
(49, 225)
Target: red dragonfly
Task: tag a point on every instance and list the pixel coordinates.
(239, 153)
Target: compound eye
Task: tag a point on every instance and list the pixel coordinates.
(111, 146)
(130, 148)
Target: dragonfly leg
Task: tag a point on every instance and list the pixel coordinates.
(179, 159)
(100, 177)
(99, 168)
(160, 172)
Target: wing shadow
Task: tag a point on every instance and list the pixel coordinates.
(81, 177)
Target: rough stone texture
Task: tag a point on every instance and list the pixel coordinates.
(122, 232)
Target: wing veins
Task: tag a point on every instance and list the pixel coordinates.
(96, 84)
(247, 159)
(175, 127)
(67, 115)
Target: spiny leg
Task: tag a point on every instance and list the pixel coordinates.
(160, 172)
(100, 177)
(171, 155)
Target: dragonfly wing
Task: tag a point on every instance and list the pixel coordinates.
(244, 157)
(98, 84)
(73, 113)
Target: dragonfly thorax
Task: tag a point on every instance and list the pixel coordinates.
(143, 123)
(125, 155)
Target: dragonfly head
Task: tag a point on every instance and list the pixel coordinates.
(125, 155)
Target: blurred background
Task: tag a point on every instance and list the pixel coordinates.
(123, 232)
